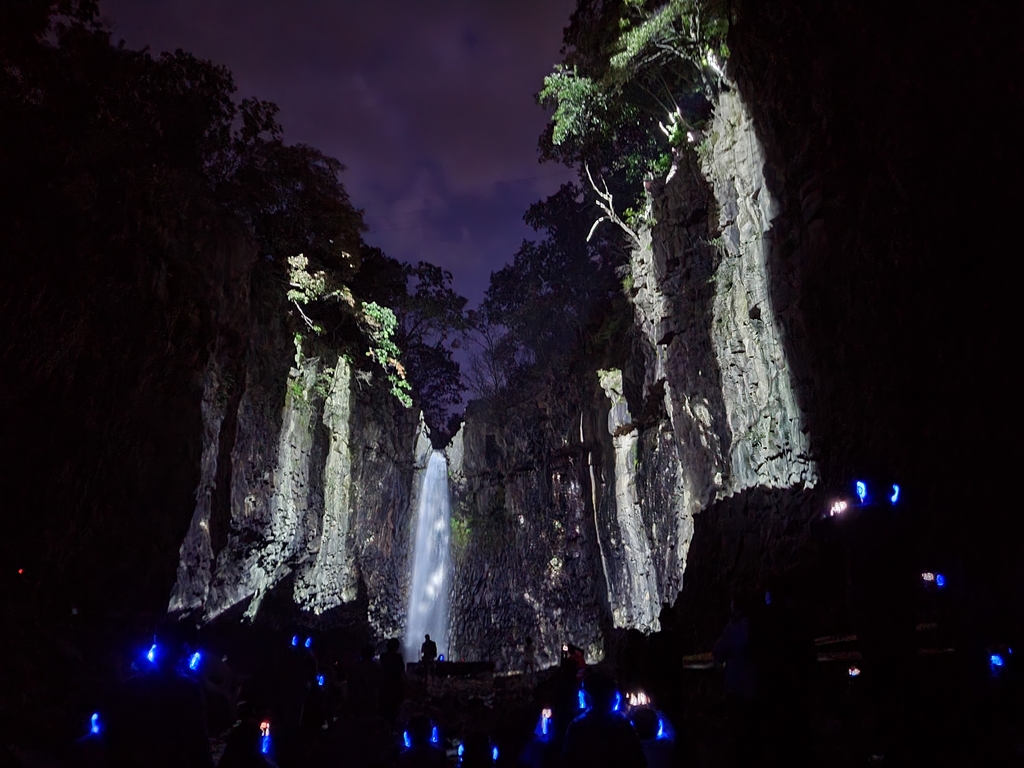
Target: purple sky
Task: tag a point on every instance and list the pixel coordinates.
(429, 104)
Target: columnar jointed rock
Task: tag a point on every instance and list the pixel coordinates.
(633, 581)
(329, 578)
(195, 563)
(701, 299)
(286, 535)
(769, 447)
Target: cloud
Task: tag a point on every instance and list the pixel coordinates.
(429, 105)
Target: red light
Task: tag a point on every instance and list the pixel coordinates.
(21, 571)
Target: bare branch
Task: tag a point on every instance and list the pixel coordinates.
(607, 207)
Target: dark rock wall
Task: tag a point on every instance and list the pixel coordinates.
(102, 366)
(892, 145)
(526, 558)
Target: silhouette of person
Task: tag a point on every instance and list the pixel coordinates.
(422, 753)
(428, 651)
(156, 717)
(477, 751)
(364, 681)
(392, 686)
(657, 750)
(733, 650)
(783, 657)
(602, 737)
(243, 749)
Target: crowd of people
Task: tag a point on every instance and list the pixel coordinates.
(164, 712)
(585, 718)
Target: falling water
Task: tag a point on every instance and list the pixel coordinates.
(431, 565)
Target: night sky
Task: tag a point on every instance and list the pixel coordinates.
(429, 105)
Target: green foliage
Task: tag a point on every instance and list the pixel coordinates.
(296, 390)
(380, 323)
(537, 309)
(635, 74)
(580, 104)
(431, 318)
(461, 534)
(306, 287)
(322, 384)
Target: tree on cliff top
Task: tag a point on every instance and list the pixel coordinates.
(634, 73)
(430, 321)
(557, 291)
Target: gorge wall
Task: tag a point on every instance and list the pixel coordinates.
(576, 504)
(580, 503)
(786, 242)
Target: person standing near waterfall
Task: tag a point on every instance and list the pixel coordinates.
(428, 651)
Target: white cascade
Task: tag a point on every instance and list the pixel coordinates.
(431, 565)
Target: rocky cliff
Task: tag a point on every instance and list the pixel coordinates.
(321, 464)
(576, 508)
(576, 504)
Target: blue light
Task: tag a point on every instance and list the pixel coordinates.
(618, 702)
(295, 641)
(494, 754)
(582, 699)
(320, 680)
(661, 728)
(406, 740)
(940, 580)
(995, 660)
(151, 654)
(441, 657)
(895, 494)
(462, 748)
(434, 738)
(309, 642)
(94, 723)
(862, 490)
(265, 744)
(193, 661)
(767, 598)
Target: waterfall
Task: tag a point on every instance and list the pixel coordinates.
(431, 565)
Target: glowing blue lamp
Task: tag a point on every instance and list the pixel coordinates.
(895, 494)
(494, 755)
(320, 680)
(618, 702)
(582, 699)
(940, 580)
(434, 737)
(441, 657)
(151, 654)
(462, 748)
(862, 490)
(295, 641)
(661, 728)
(406, 740)
(995, 660)
(94, 723)
(193, 661)
(265, 737)
(309, 642)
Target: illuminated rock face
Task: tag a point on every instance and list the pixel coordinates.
(319, 501)
(577, 506)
